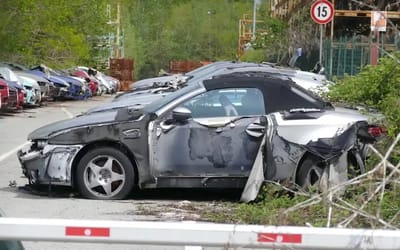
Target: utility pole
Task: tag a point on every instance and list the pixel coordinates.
(117, 38)
(253, 37)
(255, 6)
(117, 43)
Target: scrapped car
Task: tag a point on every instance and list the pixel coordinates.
(9, 96)
(106, 84)
(193, 75)
(153, 82)
(13, 82)
(73, 88)
(114, 82)
(15, 90)
(32, 94)
(209, 134)
(46, 87)
(59, 87)
(167, 84)
(85, 91)
(3, 95)
(154, 89)
(90, 80)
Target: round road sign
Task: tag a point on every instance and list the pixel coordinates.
(322, 11)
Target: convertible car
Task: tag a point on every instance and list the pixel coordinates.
(230, 131)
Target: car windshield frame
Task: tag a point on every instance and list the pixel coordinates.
(158, 104)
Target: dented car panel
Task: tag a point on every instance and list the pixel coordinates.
(50, 165)
(214, 133)
(288, 155)
(222, 150)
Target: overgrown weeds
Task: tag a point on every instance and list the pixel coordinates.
(370, 200)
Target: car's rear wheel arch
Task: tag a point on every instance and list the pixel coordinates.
(305, 160)
(356, 163)
(99, 144)
(308, 158)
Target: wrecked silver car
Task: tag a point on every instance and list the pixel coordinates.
(210, 134)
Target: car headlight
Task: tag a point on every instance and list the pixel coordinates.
(41, 144)
(64, 89)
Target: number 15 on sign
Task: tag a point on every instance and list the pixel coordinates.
(322, 13)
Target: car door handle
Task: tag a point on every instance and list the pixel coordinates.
(166, 127)
(255, 130)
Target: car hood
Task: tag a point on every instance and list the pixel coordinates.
(54, 79)
(29, 82)
(33, 76)
(346, 114)
(14, 85)
(51, 129)
(372, 116)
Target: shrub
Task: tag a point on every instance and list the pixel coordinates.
(375, 86)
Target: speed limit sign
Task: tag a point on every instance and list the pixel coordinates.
(322, 11)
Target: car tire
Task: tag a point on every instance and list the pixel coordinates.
(309, 173)
(105, 174)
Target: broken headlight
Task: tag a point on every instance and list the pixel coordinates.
(64, 89)
(40, 144)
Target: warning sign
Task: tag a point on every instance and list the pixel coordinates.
(378, 20)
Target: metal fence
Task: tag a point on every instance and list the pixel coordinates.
(347, 55)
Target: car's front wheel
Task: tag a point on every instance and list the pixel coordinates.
(105, 173)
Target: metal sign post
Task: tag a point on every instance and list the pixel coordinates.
(322, 13)
(378, 24)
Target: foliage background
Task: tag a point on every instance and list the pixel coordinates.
(56, 32)
(62, 33)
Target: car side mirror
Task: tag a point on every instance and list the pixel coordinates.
(181, 114)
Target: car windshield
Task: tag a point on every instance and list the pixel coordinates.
(8, 74)
(154, 106)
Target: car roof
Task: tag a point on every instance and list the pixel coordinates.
(246, 74)
(257, 77)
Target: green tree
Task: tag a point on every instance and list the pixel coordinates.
(160, 31)
(55, 32)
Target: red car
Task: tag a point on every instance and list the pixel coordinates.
(9, 96)
(93, 84)
(21, 95)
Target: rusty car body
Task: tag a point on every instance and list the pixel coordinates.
(209, 134)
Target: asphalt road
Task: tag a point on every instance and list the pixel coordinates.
(18, 201)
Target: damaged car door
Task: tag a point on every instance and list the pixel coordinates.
(209, 140)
